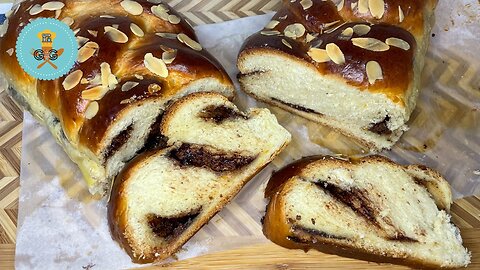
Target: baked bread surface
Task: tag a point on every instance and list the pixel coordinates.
(107, 117)
(369, 209)
(162, 198)
(335, 63)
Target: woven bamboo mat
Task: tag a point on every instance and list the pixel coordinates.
(465, 212)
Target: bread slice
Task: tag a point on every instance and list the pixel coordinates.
(340, 66)
(370, 209)
(163, 198)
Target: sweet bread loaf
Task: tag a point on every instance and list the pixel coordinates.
(134, 58)
(370, 209)
(162, 198)
(352, 65)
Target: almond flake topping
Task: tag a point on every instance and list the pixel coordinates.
(189, 42)
(272, 24)
(309, 38)
(174, 19)
(374, 72)
(93, 32)
(286, 43)
(340, 5)
(377, 8)
(140, 77)
(115, 35)
(167, 35)
(155, 65)
(363, 6)
(335, 53)
(92, 110)
(68, 21)
(4, 28)
(136, 30)
(361, 29)
(107, 16)
(401, 16)
(87, 51)
(270, 33)
(295, 30)
(306, 4)
(53, 5)
(10, 51)
(129, 85)
(399, 43)
(81, 40)
(72, 80)
(108, 79)
(36, 9)
(371, 44)
(95, 93)
(160, 11)
(346, 34)
(153, 88)
(132, 7)
(169, 56)
(318, 55)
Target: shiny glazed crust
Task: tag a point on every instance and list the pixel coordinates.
(86, 139)
(280, 231)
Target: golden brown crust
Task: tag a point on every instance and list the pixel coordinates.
(323, 16)
(125, 60)
(280, 231)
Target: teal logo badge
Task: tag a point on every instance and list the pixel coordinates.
(46, 49)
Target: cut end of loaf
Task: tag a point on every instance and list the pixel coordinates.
(297, 86)
(163, 197)
(369, 209)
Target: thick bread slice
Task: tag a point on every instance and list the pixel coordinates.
(163, 198)
(370, 209)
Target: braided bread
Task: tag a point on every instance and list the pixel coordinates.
(352, 65)
(134, 58)
(370, 209)
(162, 198)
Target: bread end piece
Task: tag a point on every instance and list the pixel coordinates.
(369, 209)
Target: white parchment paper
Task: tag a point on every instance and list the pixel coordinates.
(60, 226)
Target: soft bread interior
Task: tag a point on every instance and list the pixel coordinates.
(170, 194)
(374, 206)
(297, 86)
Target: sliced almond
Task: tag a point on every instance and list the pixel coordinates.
(335, 53)
(72, 80)
(361, 29)
(36, 9)
(270, 33)
(340, 5)
(4, 28)
(353, 5)
(153, 88)
(53, 5)
(108, 79)
(167, 35)
(155, 65)
(92, 110)
(97, 80)
(377, 8)
(57, 13)
(136, 30)
(333, 29)
(10, 51)
(346, 34)
(374, 72)
(84, 81)
(68, 21)
(132, 7)
(363, 6)
(81, 40)
(189, 42)
(306, 4)
(87, 51)
(115, 35)
(107, 16)
(95, 93)
(283, 17)
(272, 24)
(399, 43)
(330, 24)
(371, 44)
(140, 77)
(286, 43)
(309, 38)
(295, 30)
(128, 86)
(93, 32)
(318, 55)
(401, 16)
(160, 11)
(169, 56)
(174, 19)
